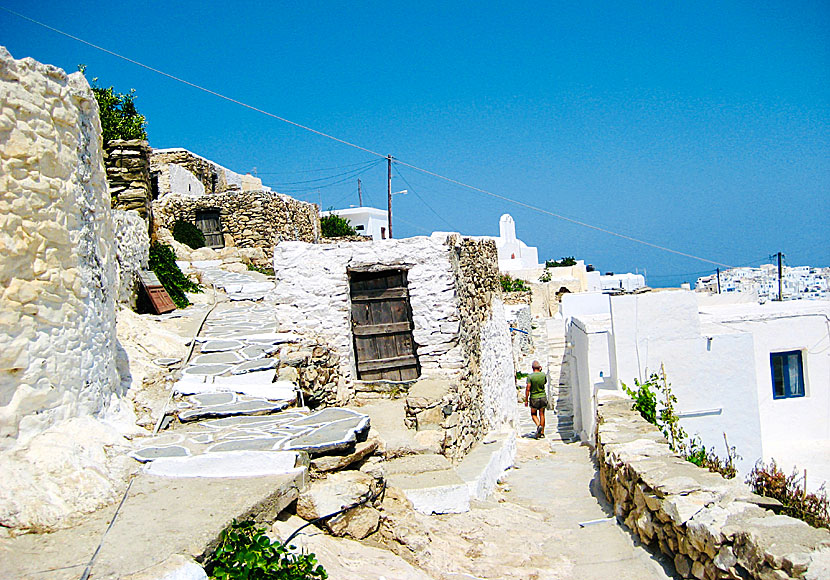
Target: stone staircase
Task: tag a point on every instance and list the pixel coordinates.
(549, 342)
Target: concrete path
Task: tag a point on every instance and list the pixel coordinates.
(530, 527)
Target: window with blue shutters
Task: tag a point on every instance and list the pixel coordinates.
(787, 374)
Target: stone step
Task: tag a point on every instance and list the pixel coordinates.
(430, 483)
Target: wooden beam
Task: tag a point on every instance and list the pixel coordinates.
(383, 294)
(374, 329)
(386, 363)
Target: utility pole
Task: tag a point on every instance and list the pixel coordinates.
(718, 269)
(389, 193)
(359, 193)
(780, 294)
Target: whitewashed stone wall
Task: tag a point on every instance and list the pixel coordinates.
(460, 329)
(498, 372)
(57, 252)
(132, 253)
(312, 294)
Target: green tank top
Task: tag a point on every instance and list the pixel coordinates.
(537, 384)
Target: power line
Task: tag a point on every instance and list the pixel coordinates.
(194, 85)
(350, 173)
(559, 216)
(355, 146)
(332, 184)
(312, 170)
(429, 207)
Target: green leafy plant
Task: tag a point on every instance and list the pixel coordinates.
(645, 399)
(791, 491)
(246, 553)
(334, 226)
(163, 263)
(511, 284)
(655, 402)
(186, 233)
(569, 261)
(119, 117)
(698, 454)
(666, 419)
(546, 276)
(520, 375)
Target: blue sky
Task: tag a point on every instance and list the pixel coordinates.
(702, 127)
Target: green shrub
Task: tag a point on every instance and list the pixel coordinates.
(771, 481)
(163, 263)
(698, 454)
(645, 400)
(119, 117)
(246, 553)
(188, 234)
(511, 284)
(569, 261)
(334, 226)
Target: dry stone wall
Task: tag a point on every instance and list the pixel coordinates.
(486, 392)
(712, 528)
(128, 175)
(253, 219)
(210, 176)
(58, 257)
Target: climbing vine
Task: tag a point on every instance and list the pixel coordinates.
(163, 263)
(655, 402)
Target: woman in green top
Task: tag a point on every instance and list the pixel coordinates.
(535, 395)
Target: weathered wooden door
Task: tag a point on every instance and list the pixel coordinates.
(208, 223)
(382, 326)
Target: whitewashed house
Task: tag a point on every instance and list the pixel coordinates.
(514, 255)
(759, 373)
(367, 221)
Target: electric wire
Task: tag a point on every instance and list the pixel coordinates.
(365, 149)
(323, 186)
(559, 216)
(412, 189)
(350, 173)
(321, 169)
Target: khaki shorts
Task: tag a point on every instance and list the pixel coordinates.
(538, 402)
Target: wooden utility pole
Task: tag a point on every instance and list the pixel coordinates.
(389, 193)
(359, 193)
(780, 285)
(718, 269)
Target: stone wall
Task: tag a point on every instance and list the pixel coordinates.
(315, 368)
(211, 177)
(132, 252)
(128, 175)
(713, 528)
(312, 296)
(58, 258)
(459, 329)
(486, 393)
(253, 219)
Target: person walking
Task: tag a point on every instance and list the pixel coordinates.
(537, 399)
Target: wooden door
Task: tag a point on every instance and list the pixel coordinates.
(382, 326)
(208, 223)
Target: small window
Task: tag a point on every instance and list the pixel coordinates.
(787, 374)
(359, 228)
(383, 233)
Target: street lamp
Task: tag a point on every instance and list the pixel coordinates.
(389, 209)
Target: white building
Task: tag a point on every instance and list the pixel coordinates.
(367, 221)
(797, 282)
(758, 373)
(514, 254)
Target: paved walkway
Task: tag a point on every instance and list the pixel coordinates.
(530, 527)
